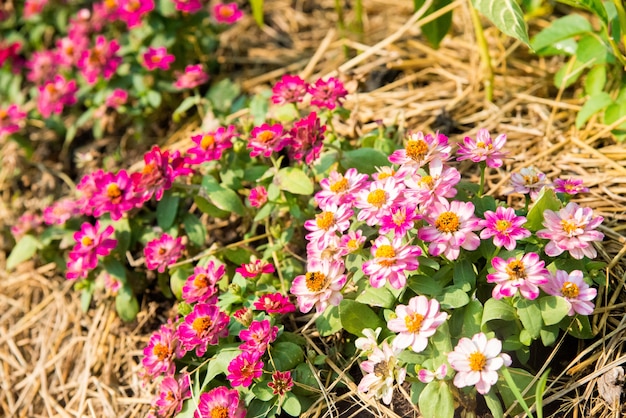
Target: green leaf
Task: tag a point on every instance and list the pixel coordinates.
(122, 235)
(365, 160)
(195, 230)
(219, 365)
(569, 73)
(166, 210)
(222, 197)
(126, 304)
(24, 250)
(328, 323)
(185, 105)
(615, 112)
(436, 400)
(593, 105)
(580, 327)
(493, 403)
(286, 355)
(546, 200)
(436, 30)
(522, 379)
(209, 208)
(591, 51)
(263, 392)
(594, 6)
(257, 11)
(595, 80)
(425, 285)
(498, 309)
(355, 316)
(506, 15)
(154, 98)
(381, 296)
(259, 106)
(115, 269)
(85, 298)
(294, 180)
(291, 405)
(559, 30)
(530, 315)
(464, 275)
(178, 278)
(549, 335)
(453, 297)
(472, 314)
(223, 94)
(553, 309)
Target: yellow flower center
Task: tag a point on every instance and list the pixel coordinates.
(315, 281)
(265, 136)
(570, 290)
(427, 180)
(516, 270)
(382, 176)
(4, 114)
(416, 149)
(381, 369)
(201, 280)
(201, 324)
(325, 220)
(207, 141)
(377, 198)
(447, 222)
(219, 412)
(149, 168)
(477, 361)
(86, 241)
(339, 186)
(352, 244)
(385, 251)
(569, 226)
(502, 225)
(481, 144)
(113, 191)
(413, 322)
(528, 180)
(161, 351)
(51, 88)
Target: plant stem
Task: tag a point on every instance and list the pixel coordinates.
(621, 17)
(483, 49)
(513, 387)
(481, 187)
(358, 11)
(341, 24)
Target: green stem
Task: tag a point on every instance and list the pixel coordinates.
(358, 11)
(527, 202)
(341, 24)
(481, 187)
(483, 49)
(509, 380)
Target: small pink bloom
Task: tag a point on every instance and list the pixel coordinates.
(340, 188)
(117, 98)
(377, 199)
(193, 76)
(156, 177)
(101, 60)
(369, 341)
(436, 186)
(203, 326)
(505, 227)
(91, 240)
(26, 223)
(525, 274)
(290, 89)
(114, 194)
(484, 148)
(56, 94)
(157, 58)
(244, 368)
(111, 284)
(281, 383)
(255, 268)
(160, 352)
(477, 361)
(400, 220)
(34, 7)
(188, 6)
(420, 149)
(9, 53)
(60, 211)
(258, 196)
(327, 94)
(306, 139)
(162, 252)
(211, 145)
(274, 303)
(529, 180)
(11, 120)
(574, 289)
(132, 11)
(391, 260)
(43, 66)
(258, 336)
(266, 139)
(172, 393)
(320, 286)
(570, 186)
(227, 13)
(351, 242)
(427, 376)
(87, 187)
(326, 224)
(220, 402)
(202, 284)
(70, 49)
(380, 371)
(415, 323)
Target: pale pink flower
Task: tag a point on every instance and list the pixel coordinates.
(327, 94)
(571, 229)
(451, 228)
(524, 274)
(477, 362)
(43, 66)
(369, 341)
(162, 252)
(436, 186)
(26, 223)
(281, 383)
(55, 95)
(330, 252)
(327, 224)
(220, 402)
(505, 227)
(202, 284)
(258, 196)
(420, 149)
(274, 303)
(391, 260)
(193, 76)
(255, 268)
(320, 286)
(340, 188)
(203, 326)
(570, 186)
(117, 98)
(70, 49)
(306, 139)
(60, 211)
(377, 200)
(244, 368)
(172, 393)
(101, 60)
(227, 13)
(258, 336)
(351, 242)
(415, 323)
(427, 376)
(573, 288)
(530, 181)
(290, 89)
(210, 145)
(111, 284)
(380, 371)
(483, 148)
(157, 58)
(266, 139)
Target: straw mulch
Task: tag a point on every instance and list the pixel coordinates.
(57, 361)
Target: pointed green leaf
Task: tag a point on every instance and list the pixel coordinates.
(24, 250)
(365, 160)
(328, 322)
(436, 400)
(593, 105)
(195, 230)
(559, 30)
(546, 200)
(436, 30)
(506, 15)
(292, 405)
(594, 6)
(126, 304)
(219, 365)
(355, 316)
(553, 309)
(294, 180)
(166, 210)
(530, 315)
(286, 355)
(498, 309)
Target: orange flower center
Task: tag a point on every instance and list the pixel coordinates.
(219, 412)
(528, 180)
(502, 225)
(86, 241)
(201, 324)
(516, 270)
(447, 222)
(427, 180)
(156, 59)
(385, 252)
(201, 280)
(162, 251)
(325, 220)
(226, 12)
(265, 136)
(3, 114)
(315, 281)
(382, 176)
(413, 322)
(339, 186)
(161, 351)
(207, 141)
(570, 290)
(477, 361)
(113, 191)
(377, 198)
(416, 149)
(51, 88)
(149, 168)
(568, 226)
(381, 369)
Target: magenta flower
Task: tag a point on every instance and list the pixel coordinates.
(70, 49)
(34, 7)
(570, 186)
(255, 268)
(157, 58)
(477, 362)
(420, 150)
(400, 220)
(193, 76)
(281, 383)
(266, 139)
(56, 94)
(450, 229)
(258, 336)
(327, 94)
(117, 98)
(172, 393)
(91, 240)
(380, 371)
(571, 229)
(574, 289)
(156, 177)
(244, 368)
(258, 196)
(220, 402)
(11, 120)
(323, 229)
(505, 227)
(524, 274)
(60, 211)
(320, 286)
(391, 261)
(42, 66)
(227, 13)
(162, 252)
(132, 11)
(416, 322)
(188, 6)
(203, 326)
(202, 284)
(377, 199)
(87, 187)
(340, 188)
(274, 303)
(484, 148)
(306, 139)
(79, 265)
(290, 89)
(101, 60)
(114, 194)
(530, 181)
(210, 146)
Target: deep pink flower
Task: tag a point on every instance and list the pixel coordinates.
(202, 284)
(258, 336)
(203, 326)
(477, 361)
(156, 177)
(193, 76)
(34, 7)
(436, 186)
(188, 6)
(483, 148)
(570, 186)
(505, 227)
(326, 225)
(101, 60)
(571, 229)
(525, 274)
(306, 139)
(87, 187)
(529, 180)
(211, 145)
(172, 393)
(56, 94)
(377, 199)
(381, 370)
(290, 89)
(117, 98)
(400, 220)
(220, 402)
(227, 13)
(9, 53)
(11, 120)
(340, 188)
(43, 66)
(266, 139)
(320, 286)
(281, 383)
(132, 11)
(258, 196)
(157, 58)
(114, 194)
(327, 94)
(160, 352)
(60, 211)
(91, 240)
(255, 268)
(162, 252)
(244, 368)
(415, 323)
(274, 303)
(70, 49)
(391, 260)
(79, 265)
(574, 289)
(420, 149)
(451, 228)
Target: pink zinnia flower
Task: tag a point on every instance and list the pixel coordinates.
(391, 260)
(436, 186)
(11, 120)
(400, 220)
(43, 66)
(274, 303)
(160, 352)
(244, 368)
(477, 361)
(421, 149)
(162, 252)
(114, 194)
(258, 336)
(90, 240)
(220, 402)
(483, 148)
(34, 7)
(258, 196)
(266, 139)
(574, 289)
(172, 393)
(255, 268)
(117, 98)
(376, 200)
(504, 226)
(227, 13)
(79, 265)
(571, 229)
(570, 186)
(416, 322)
(188, 6)
(56, 94)
(132, 11)
(193, 76)
(156, 177)
(101, 60)
(203, 326)
(326, 224)
(320, 286)
(529, 180)
(351, 242)
(525, 274)
(202, 284)
(450, 229)
(26, 223)
(427, 376)
(340, 188)
(60, 211)
(211, 145)
(87, 187)
(70, 49)
(290, 89)
(380, 371)
(327, 94)
(157, 58)
(306, 139)
(9, 52)
(281, 383)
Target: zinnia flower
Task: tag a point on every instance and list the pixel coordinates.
(320, 286)
(391, 260)
(244, 368)
(574, 289)
(227, 13)
(529, 181)
(157, 58)
(340, 188)
(281, 382)
(504, 226)
(258, 336)
(211, 145)
(327, 94)
(193, 76)
(570, 186)
(290, 89)
(483, 148)
(421, 149)
(172, 393)
(220, 402)
(203, 326)
(202, 284)
(274, 303)
(524, 274)
(415, 323)
(380, 371)
(162, 252)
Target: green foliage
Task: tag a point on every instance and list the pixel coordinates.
(436, 30)
(506, 15)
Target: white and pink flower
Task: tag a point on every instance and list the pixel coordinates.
(320, 286)
(525, 274)
(505, 227)
(574, 289)
(415, 323)
(381, 370)
(391, 261)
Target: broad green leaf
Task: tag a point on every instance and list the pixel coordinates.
(223, 94)
(594, 6)
(167, 209)
(436, 400)
(259, 106)
(294, 180)
(115, 269)
(615, 112)
(355, 316)
(195, 230)
(493, 403)
(153, 98)
(569, 73)
(263, 392)
(553, 309)
(522, 379)
(328, 322)
(595, 80)
(453, 297)
(425, 285)
(85, 298)
(222, 197)
(365, 160)
(381, 296)
(126, 304)
(593, 105)
(209, 208)
(559, 30)
(258, 409)
(498, 309)
(307, 382)
(122, 235)
(178, 278)
(291, 405)
(546, 200)
(506, 15)
(436, 30)
(579, 327)
(286, 355)
(592, 51)
(464, 276)
(530, 315)
(24, 250)
(185, 105)
(549, 334)
(219, 365)
(472, 314)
